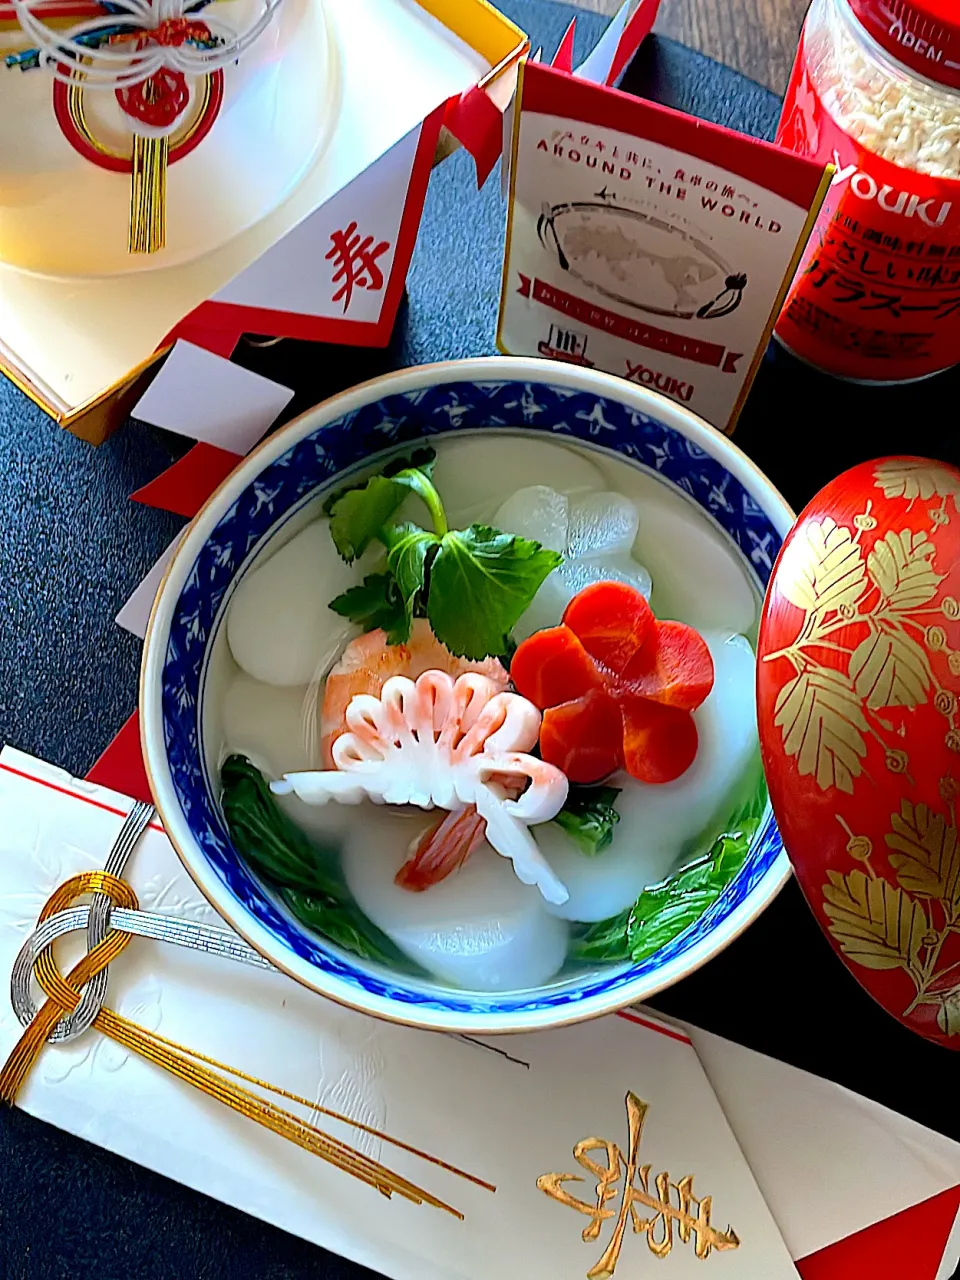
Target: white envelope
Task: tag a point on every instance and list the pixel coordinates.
(843, 1177)
(511, 1112)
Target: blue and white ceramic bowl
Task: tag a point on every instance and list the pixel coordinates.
(268, 489)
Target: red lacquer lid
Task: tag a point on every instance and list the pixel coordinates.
(858, 680)
(922, 34)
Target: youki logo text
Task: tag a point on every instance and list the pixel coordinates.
(674, 1207)
(663, 382)
(865, 187)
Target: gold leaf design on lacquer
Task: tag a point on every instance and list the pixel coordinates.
(906, 925)
(948, 1015)
(900, 566)
(877, 924)
(926, 858)
(916, 479)
(823, 723)
(888, 669)
(872, 611)
(822, 568)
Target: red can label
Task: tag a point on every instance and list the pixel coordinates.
(877, 295)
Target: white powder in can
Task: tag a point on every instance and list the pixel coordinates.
(895, 115)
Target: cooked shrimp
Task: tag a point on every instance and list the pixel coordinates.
(443, 849)
(449, 743)
(368, 662)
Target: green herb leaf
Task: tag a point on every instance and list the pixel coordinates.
(347, 926)
(481, 581)
(665, 910)
(419, 482)
(376, 602)
(409, 552)
(589, 817)
(357, 514)
(606, 942)
(360, 515)
(423, 459)
(307, 874)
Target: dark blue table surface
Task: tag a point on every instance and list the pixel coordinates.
(72, 548)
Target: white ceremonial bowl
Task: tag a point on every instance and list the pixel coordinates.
(300, 464)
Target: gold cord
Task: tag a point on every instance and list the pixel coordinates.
(204, 1073)
(148, 194)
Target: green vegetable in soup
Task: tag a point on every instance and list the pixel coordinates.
(589, 817)
(665, 910)
(307, 875)
(472, 585)
(376, 603)
(357, 514)
(482, 581)
(349, 929)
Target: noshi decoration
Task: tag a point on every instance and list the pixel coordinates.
(163, 63)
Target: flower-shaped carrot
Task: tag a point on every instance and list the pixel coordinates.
(616, 687)
(451, 744)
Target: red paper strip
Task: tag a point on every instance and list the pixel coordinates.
(636, 331)
(634, 34)
(185, 487)
(221, 341)
(908, 1246)
(121, 766)
(477, 124)
(563, 58)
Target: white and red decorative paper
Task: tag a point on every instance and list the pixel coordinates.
(292, 198)
(648, 243)
(795, 1167)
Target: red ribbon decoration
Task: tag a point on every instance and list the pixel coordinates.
(186, 485)
(910, 1244)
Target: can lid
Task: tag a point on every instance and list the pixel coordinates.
(922, 34)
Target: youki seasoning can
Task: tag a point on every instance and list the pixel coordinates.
(876, 92)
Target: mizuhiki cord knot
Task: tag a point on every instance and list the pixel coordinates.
(64, 993)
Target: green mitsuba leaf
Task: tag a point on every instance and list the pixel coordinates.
(481, 582)
(376, 602)
(357, 514)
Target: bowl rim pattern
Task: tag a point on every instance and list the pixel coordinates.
(271, 486)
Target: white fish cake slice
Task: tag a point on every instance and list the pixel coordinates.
(698, 577)
(479, 930)
(658, 824)
(279, 625)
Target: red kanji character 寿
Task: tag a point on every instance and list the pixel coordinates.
(355, 259)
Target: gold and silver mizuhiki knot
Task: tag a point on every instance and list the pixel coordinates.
(75, 1006)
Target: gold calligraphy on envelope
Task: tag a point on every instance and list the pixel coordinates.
(674, 1207)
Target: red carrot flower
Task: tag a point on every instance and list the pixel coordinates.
(616, 687)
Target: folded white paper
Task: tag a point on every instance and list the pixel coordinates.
(829, 1162)
(547, 1117)
(135, 614)
(203, 396)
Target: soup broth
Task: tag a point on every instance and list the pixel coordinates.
(481, 928)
